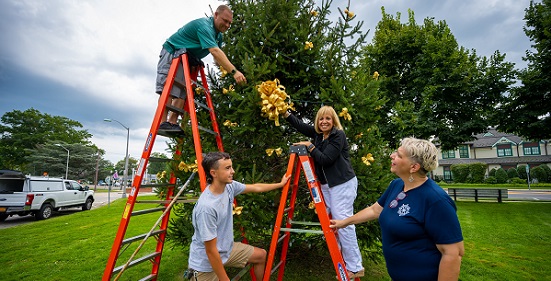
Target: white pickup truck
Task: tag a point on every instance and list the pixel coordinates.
(40, 196)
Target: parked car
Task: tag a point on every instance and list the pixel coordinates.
(40, 196)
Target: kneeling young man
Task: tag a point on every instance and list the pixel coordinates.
(212, 246)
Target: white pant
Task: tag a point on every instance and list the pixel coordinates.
(339, 201)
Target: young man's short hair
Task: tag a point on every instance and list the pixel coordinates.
(210, 161)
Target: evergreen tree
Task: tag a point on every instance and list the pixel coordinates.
(316, 60)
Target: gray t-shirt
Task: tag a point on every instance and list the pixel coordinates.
(212, 218)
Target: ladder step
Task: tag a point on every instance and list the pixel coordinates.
(305, 223)
(149, 277)
(157, 185)
(180, 83)
(147, 211)
(207, 130)
(182, 200)
(301, 230)
(141, 237)
(175, 109)
(137, 261)
(200, 104)
(242, 273)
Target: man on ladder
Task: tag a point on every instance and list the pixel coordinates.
(198, 38)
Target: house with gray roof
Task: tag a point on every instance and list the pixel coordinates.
(497, 150)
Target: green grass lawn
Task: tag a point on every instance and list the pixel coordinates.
(507, 241)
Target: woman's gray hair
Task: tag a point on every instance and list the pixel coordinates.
(423, 152)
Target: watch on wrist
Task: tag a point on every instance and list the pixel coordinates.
(311, 146)
(233, 71)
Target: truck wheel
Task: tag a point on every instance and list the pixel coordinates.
(45, 212)
(88, 204)
(3, 217)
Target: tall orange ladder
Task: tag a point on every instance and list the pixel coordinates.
(300, 160)
(121, 243)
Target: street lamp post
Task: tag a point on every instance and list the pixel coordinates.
(126, 156)
(67, 167)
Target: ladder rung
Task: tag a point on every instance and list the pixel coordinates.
(175, 109)
(207, 130)
(141, 236)
(149, 277)
(200, 104)
(282, 237)
(276, 267)
(242, 272)
(305, 223)
(188, 200)
(157, 185)
(147, 211)
(180, 83)
(137, 261)
(301, 230)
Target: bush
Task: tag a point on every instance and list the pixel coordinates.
(501, 176)
(539, 173)
(460, 172)
(477, 172)
(492, 172)
(512, 173)
(490, 180)
(548, 171)
(521, 170)
(518, 181)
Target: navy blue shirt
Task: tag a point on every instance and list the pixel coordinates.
(410, 231)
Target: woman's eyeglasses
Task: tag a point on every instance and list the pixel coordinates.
(399, 197)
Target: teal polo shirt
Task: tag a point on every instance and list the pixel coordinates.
(197, 37)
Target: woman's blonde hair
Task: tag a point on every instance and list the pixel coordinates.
(327, 110)
(423, 152)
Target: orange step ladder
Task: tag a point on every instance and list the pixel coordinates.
(121, 243)
(300, 160)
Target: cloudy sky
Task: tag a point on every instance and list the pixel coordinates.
(93, 59)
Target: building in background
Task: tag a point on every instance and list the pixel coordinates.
(497, 150)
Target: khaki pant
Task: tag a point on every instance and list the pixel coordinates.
(239, 256)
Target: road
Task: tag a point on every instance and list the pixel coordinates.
(100, 199)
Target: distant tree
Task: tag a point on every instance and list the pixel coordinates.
(512, 173)
(492, 172)
(24, 130)
(51, 159)
(460, 172)
(434, 87)
(527, 110)
(132, 164)
(547, 171)
(501, 176)
(477, 172)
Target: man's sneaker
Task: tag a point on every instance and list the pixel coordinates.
(171, 128)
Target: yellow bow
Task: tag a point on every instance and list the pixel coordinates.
(345, 115)
(223, 72)
(308, 45)
(228, 123)
(273, 99)
(376, 75)
(237, 210)
(225, 91)
(348, 13)
(187, 167)
(271, 151)
(368, 159)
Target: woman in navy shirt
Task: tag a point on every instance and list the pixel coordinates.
(421, 235)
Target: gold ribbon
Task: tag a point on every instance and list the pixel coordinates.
(223, 72)
(236, 210)
(273, 100)
(229, 123)
(308, 45)
(226, 91)
(368, 159)
(271, 151)
(345, 115)
(376, 75)
(349, 14)
(188, 167)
